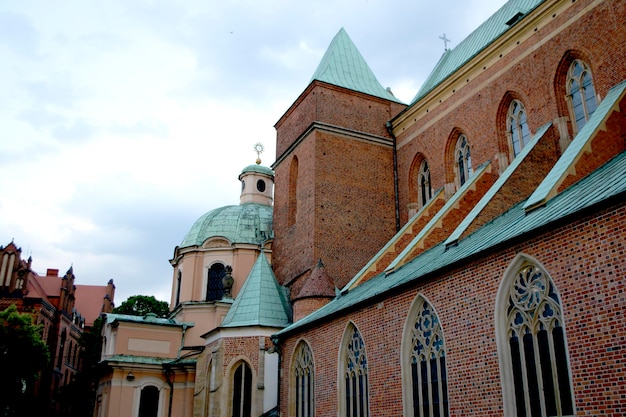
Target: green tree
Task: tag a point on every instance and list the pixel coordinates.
(140, 305)
(22, 355)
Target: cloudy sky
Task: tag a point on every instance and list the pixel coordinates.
(123, 121)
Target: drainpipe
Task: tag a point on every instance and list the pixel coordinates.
(167, 370)
(395, 174)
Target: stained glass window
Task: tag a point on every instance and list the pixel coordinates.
(429, 390)
(517, 126)
(537, 346)
(304, 377)
(355, 376)
(580, 93)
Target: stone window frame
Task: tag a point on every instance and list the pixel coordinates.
(342, 371)
(587, 93)
(407, 355)
(414, 184)
(462, 153)
(529, 288)
(517, 127)
(300, 362)
(147, 381)
(231, 385)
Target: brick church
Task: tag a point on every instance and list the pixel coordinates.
(462, 254)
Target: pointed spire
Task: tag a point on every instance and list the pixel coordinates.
(319, 284)
(344, 66)
(261, 301)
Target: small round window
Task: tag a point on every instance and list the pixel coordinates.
(260, 185)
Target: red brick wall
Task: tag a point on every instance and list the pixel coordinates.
(586, 261)
(597, 36)
(345, 196)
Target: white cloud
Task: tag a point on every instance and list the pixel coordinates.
(122, 122)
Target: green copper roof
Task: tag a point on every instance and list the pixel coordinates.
(344, 66)
(258, 168)
(500, 22)
(578, 147)
(245, 223)
(500, 182)
(607, 182)
(261, 301)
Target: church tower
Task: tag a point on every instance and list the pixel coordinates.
(334, 168)
(212, 262)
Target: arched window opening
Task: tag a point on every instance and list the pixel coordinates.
(179, 281)
(426, 192)
(428, 392)
(242, 391)
(149, 402)
(303, 381)
(293, 188)
(581, 94)
(61, 349)
(215, 288)
(463, 159)
(536, 351)
(517, 126)
(356, 389)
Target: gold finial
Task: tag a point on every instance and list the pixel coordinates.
(258, 148)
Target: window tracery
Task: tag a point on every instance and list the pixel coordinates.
(426, 192)
(537, 350)
(581, 94)
(463, 159)
(427, 358)
(517, 126)
(356, 387)
(304, 381)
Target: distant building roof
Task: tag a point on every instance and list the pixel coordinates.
(244, 223)
(261, 301)
(343, 65)
(500, 22)
(89, 300)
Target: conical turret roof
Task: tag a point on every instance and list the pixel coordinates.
(261, 301)
(344, 66)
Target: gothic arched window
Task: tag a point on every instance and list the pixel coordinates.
(463, 159)
(242, 391)
(580, 93)
(215, 288)
(532, 345)
(424, 363)
(303, 378)
(355, 387)
(426, 192)
(517, 126)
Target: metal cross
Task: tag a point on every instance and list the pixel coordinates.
(445, 41)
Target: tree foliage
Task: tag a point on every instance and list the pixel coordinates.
(140, 305)
(22, 355)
